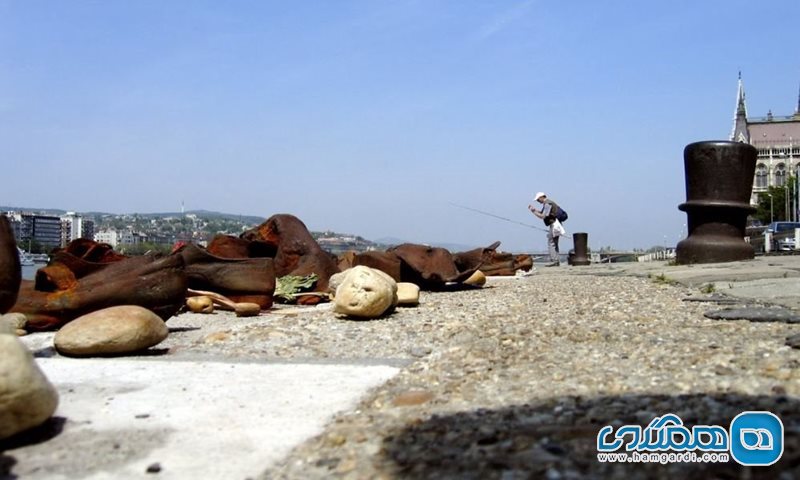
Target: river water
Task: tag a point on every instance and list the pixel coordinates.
(29, 271)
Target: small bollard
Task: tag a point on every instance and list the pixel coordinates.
(767, 242)
(580, 255)
(719, 179)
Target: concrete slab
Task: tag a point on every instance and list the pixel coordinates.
(194, 419)
(780, 291)
(692, 275)
(765, 279)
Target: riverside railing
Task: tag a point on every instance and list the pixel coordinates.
(660, 255)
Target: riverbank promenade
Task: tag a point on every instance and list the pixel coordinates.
(512, 380)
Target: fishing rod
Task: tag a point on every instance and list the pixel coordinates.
(498, 217)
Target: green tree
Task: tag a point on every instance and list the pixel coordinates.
(772, 203)
(117, 223)
(34, 247)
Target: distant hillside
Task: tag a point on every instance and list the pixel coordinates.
(213, 217)
(390, 241)
(43, 211)
(208, 214)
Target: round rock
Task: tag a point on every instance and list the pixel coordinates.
(477, 279)
(111, 331)
(365, 292)
(6, 328)
(26, 396)
(201, 304)
(15, 321)
(335, 281)
(407, 294)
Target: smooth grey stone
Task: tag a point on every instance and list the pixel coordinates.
(755, 315)
(714, 298)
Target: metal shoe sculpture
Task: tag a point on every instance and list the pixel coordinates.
(228, 246)
(79, 258)
(249, 280)
(297, 253)
(431, 268)
(387, 262)
(474, 259)
(158, 284)
(506, 264)
(10, 270)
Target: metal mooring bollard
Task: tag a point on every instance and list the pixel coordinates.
(719, 178)
(580, 255)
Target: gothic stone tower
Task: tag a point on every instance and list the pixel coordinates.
(777, 139)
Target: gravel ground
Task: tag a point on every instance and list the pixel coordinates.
(515, 380)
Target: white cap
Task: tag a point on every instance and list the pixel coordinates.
(539, 195)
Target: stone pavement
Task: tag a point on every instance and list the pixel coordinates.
(127, 416)
(768, 279)
(216, 401)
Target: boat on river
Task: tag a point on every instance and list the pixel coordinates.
(40, 257)
(25, 258)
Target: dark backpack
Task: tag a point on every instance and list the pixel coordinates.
(562, 215)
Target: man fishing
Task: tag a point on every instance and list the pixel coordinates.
(553, 216)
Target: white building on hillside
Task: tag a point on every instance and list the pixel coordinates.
(74, 226)
(117, 238)
(109, 236)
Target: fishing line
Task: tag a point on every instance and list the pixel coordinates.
(501, 218)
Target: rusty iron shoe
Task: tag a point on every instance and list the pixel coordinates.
(296, 252)
(156, 283)
(79, 258)
(10, 269)
(387, 262)
(507, 264)
(240, 279)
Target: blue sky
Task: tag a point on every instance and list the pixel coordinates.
(373, 117)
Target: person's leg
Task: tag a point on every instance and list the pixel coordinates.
(552, 247)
